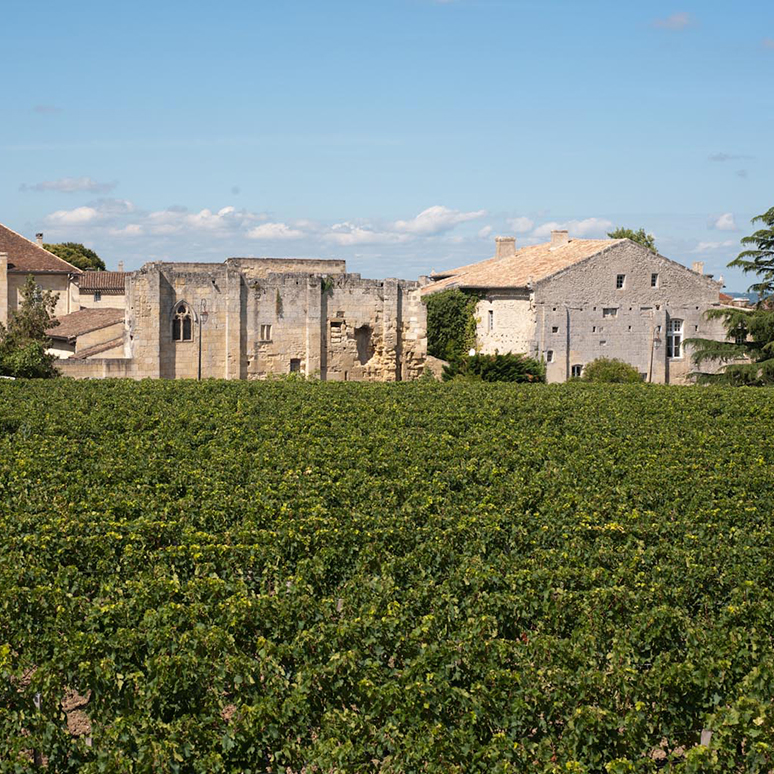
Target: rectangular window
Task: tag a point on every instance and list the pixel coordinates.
(576, 371)
(603, 343)
(98, 295)
(654, 280)
(266, 333)
(555, 329)
(610, 311)
(295, 365)
(675, 339)
(490, 319)
(620, 280)
(549, 356)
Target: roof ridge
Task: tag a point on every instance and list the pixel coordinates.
(75, 269)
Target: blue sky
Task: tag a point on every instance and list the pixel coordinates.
(402, 135)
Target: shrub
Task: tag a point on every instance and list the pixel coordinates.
(610, 371)
(496, 368)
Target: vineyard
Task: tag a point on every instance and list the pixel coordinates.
(446, 578)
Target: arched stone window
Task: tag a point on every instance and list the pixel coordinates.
(182, 323)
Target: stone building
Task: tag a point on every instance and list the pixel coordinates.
(249, 318)
(570, 301)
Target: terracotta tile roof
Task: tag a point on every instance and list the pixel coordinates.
(84, 321)
(25, 257)
(98, 349)
(529, 264)
(111, 283)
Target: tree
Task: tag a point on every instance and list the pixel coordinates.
(640, 237)
(747, 355)
(451, 323)
(78, 255)
(23, 343)
(508, 367)
(610, 371)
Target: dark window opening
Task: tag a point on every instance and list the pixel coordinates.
(365, 346)
(182, 324)
(295, 365)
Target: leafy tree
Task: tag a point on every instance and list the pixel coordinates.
(78, 255)
(747, 356)
(23, 343)
(640, 237)
(451, 323)
(496, 368)
(610, 371)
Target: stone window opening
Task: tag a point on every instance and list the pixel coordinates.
(611, 311)
(97, 295)
(364, 343)
(295, 365)
(555, 329)
(549, 356)
(576, 371)
(654, 280)
(620, 281)
(675, 339)
(266, 333)
(490, 320)
(182, 323)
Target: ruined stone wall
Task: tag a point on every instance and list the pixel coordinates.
(582, 315)
(256, 268)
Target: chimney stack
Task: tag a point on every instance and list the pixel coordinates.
(698, 267)
(120, 266)
(506, 247)
(39, 239)
(559, 238)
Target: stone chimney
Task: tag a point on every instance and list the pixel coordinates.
(559, 238)
(120, 266)
(506, 247)
(698, 267)
(39, 239)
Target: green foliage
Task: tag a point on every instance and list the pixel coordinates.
(640, 236)
(23, 343)
(78, 255)
(496, 368)
(610, 371)
(396, 578)
(451, 323)
(748, 354)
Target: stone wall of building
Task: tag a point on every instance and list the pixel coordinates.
(582, 315)
(67, 291)
(505, 322)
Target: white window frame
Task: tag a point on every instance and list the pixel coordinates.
(654, 280)
(610, 311)
(620, 281)
(675, 340)
(549, 356)
(576, 371)
(265, 332)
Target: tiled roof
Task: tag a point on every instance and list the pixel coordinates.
(111, 283)
(527, 265)
(25, 257)
(84, 321)
(98, 349)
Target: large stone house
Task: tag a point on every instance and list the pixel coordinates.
(570, 301)
(249, 318)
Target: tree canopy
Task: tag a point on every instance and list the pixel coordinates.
(610, 371)
(747, 356)
(451, 323)
(24, 342)
(77, 254)
(640, 236)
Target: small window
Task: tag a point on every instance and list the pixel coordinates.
(620, 280)
(491, 320)
(593, 328)
(549, 356)
(675, 339)
(696, 327)
(576, 371)
(554, 308)
(610, 311)
(630, 327)
(182, 324)
(555, 329)
(266, 333)
(295, 365)
(603, 343)
(654, 280)
(98, 295)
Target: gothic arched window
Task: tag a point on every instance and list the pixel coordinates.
(182, 323)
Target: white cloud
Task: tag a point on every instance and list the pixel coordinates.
(521, 225)
(724, 222)
(73, 217)
(274, 231)
(485, 232)
(129, 230)
(351, 234)
(589, 227)
(436, 220)
(675, 22)
(706, 247)
(70, 185)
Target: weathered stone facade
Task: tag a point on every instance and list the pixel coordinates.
(562, 302)
(250, 318)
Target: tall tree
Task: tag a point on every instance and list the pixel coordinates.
(642, 238)
(78, 255)
(24, 342)
(747, 356)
